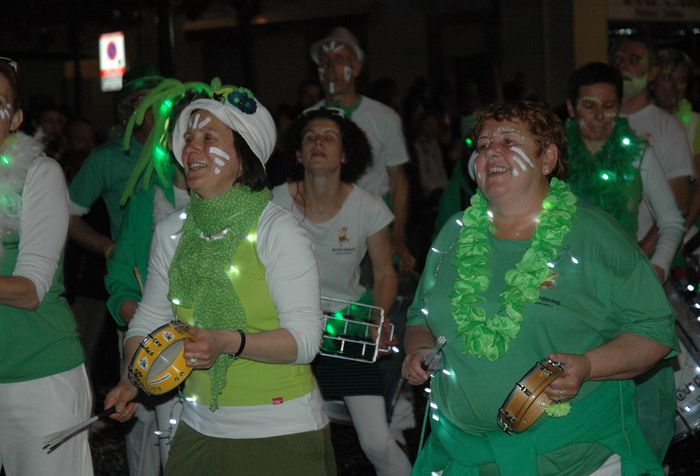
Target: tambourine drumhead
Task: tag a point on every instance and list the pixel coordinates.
(158, 366)
(527, 400)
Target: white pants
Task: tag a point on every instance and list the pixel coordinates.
(369, 418)
(35, 408)
(611, 467)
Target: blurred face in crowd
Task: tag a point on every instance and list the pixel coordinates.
(631, 58)
(10, 119)
(337, 68)
(670, 87)
(309, 95)
(209, 158)
(509, 165)
(81, 137)
(321, 147)
(595, 110)
(52, 123)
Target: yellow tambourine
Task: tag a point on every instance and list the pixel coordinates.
(158, 366)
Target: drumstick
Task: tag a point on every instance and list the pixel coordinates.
(137, 274)
(54, 440)
(441, 341)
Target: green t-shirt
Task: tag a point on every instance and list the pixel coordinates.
(105, 174)
(601, 285)
(41, 342)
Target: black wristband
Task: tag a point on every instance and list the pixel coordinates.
(241, 347)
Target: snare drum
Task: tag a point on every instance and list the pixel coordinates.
(158, 366)
(527, 400)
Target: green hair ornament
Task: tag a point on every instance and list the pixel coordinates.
(161, 100)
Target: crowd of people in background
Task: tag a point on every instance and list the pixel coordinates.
(398, 170)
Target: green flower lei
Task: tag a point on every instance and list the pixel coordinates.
(489, 337)
(608, 179)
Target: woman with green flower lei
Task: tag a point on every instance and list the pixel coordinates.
(525, 274)
(241, 272)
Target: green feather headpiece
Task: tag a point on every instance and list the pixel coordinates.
(162, 102)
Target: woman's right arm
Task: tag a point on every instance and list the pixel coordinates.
(153, 311)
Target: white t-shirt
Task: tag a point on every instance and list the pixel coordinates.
(341, 242)
(658, 194)
(382, 125)
(670, 143)
(431, 169)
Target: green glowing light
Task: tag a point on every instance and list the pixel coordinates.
(166, 106)
(5, 159)
(626, 141)
(160, 153)
(469, 142)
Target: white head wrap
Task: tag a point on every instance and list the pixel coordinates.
(254, 124)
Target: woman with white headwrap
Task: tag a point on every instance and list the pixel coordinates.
(241, 272)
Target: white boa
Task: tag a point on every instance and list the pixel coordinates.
(17, 154)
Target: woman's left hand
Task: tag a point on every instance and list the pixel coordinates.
(205, 346)
(577, 369)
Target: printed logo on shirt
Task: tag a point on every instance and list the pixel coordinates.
(344, 244)
(549, 302)
(551, 281)
(343, 236)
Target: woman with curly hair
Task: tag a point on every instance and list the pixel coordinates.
(326, 153)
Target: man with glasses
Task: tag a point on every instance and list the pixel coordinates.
(105, 174)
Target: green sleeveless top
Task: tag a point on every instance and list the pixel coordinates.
(251, 382)
(41, 342)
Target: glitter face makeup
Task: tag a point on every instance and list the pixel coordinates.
(596, 110)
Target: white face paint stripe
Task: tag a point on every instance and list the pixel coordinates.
(515, 172)
(4, 112)
(219, 162)
(331, 88)
(217, 171)
(522, 154)
(194, 121)
(520, 163)
(328, 47)
(204, 122)
(347, 72)
(219, 152)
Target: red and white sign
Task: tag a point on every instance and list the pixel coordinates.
(112, 60)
